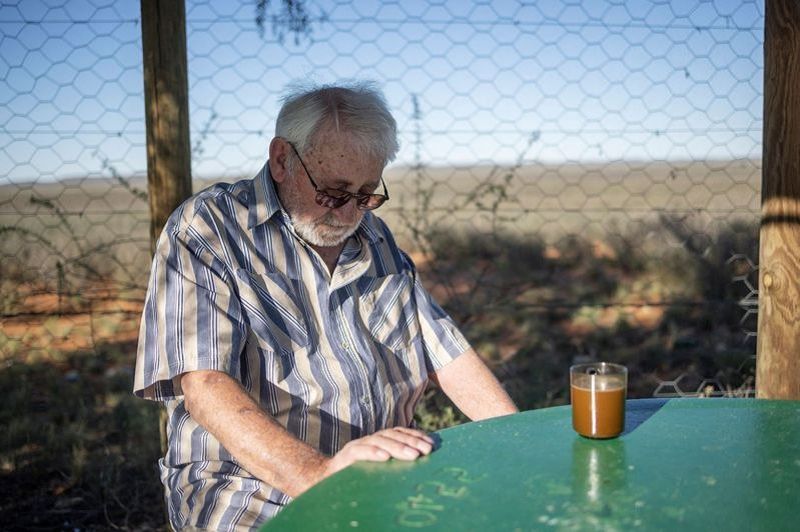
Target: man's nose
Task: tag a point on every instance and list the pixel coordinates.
(349, 211)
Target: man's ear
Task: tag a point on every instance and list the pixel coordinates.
(278, 159)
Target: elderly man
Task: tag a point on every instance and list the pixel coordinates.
(286, 332)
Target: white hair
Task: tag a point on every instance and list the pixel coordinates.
(356, 109)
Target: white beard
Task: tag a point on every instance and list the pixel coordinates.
(323, 232)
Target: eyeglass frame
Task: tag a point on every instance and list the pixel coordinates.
(325, 199)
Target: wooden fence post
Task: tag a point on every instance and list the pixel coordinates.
(166, 99)
(778, 344)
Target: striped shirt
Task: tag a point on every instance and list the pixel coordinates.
(332, 357)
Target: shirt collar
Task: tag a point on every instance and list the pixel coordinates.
(367, 228)
(264, 202)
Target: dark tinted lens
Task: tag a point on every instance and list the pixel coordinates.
(333, 199)
(371, 201)
(331, 202)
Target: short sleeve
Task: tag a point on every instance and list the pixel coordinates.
(190, 320)
(442, 339)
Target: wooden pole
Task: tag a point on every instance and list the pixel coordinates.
(166, 99)
(778, 345)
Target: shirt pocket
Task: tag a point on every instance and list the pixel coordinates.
(274, 310)
(390, 310)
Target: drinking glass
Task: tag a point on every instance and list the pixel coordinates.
(598, 391)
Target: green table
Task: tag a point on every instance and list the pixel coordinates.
(697, 464)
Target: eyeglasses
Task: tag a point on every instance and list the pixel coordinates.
(333, 198)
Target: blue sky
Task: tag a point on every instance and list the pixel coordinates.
(493, 81)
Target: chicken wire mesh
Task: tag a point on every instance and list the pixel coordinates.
(577, 180)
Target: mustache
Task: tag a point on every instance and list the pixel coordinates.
(330, 220)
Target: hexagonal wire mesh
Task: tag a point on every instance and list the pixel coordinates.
(576, 179)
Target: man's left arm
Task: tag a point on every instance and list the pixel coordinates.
(473, 388)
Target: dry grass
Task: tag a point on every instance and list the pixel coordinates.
(533, 309)
(77, 451)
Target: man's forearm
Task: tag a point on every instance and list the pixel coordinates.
(473, 388)
(219, 404)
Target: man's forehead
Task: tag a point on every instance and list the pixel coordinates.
(341, 166)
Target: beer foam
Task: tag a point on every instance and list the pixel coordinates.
(601, 382)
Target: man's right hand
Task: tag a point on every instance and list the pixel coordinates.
(399, 443)
(267, 450)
